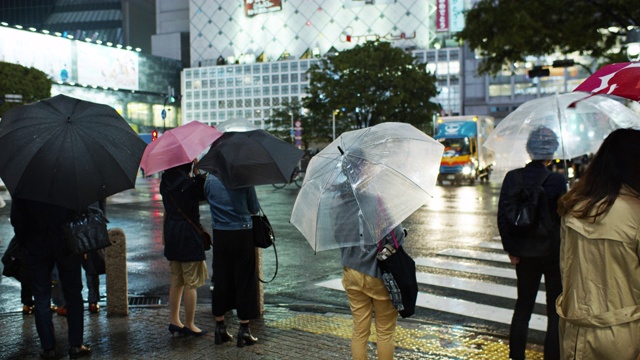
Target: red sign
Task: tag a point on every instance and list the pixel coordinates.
(442, 15)
(255, 7)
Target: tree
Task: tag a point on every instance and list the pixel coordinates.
(313, 129)
(370, 84)
(506, 31)
(30, 83)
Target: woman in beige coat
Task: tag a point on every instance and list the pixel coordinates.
(600, 255)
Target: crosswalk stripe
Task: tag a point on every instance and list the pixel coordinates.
(476, 255)
(491, 245)
(508, 273)
(460, 307)
(452, 282)
(467, 267)
(476, 286)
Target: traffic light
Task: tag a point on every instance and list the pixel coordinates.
(563, 63)
(154, 135)
(538, 71)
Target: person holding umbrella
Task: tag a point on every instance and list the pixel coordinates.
(534, 257)
(362, 281)
(181, 192)
(356, 193)
(39, 228)
(600, 255)
(84, 151)
(234, 257)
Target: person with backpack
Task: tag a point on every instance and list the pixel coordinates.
(530, 230)
(599, 308)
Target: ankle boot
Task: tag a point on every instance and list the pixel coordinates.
(221, 334)
(245, 337)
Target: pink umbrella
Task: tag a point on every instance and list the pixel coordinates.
(620, 79)
(178, 146)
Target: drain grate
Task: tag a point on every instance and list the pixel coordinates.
(144, 300)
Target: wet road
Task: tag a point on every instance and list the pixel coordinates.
(463, 276)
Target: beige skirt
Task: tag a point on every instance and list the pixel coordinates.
(190, 274)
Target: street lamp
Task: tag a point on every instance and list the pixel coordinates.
(333, 113)
(292, 139)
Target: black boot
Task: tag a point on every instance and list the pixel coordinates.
(221, 334)
(245, 337)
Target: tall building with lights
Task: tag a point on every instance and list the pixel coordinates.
(249, 56)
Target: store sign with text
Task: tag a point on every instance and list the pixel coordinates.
(256, 7)
(442, 15)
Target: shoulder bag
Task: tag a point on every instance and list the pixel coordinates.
(264, 237)
(399, 275)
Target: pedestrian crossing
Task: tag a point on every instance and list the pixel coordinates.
(465, 262)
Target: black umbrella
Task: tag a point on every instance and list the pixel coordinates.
(249, 158)
(67, 152)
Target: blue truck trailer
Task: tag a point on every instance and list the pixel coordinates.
(464, 159)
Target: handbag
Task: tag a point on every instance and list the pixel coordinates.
(263, 235)
(87, 232)
(399, 275)
(207, 242)
(12, 259)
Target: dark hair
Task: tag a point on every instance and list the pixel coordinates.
(542, 143)
(616, 163)
(185, 168)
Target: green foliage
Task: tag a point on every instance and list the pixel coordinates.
(314, 130)
(506, 31)
(370, 84)
(31, 83)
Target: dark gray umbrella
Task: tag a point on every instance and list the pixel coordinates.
(67, 152)
(249, 158)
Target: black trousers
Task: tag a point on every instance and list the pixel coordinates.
(529, 273)
(234, 274)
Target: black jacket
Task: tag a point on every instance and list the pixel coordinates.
(555, 186)
(182, 242)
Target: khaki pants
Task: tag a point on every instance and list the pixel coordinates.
(367, 295)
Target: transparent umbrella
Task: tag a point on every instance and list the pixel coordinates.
(382, 174)
(581, 122)
(238, 124)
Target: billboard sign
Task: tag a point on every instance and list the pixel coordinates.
(256, 7)
(442, 15)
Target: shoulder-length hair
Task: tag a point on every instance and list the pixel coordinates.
(616, 163)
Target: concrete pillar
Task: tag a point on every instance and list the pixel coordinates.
(117, 278)
(260, 276)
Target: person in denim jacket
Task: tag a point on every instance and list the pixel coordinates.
(235, 275)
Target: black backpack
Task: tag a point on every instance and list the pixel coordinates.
(528, 218)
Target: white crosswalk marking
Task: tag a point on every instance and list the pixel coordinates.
(466, 266)
(476, 255)
(464, 307)
(459, 307)
(508, 273)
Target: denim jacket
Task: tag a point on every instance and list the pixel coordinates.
(231, 209)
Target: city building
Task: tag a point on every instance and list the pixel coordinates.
(95, 68)
(247, 57)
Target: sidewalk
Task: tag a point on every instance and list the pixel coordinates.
(284, 332)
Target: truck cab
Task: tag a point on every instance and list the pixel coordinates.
(464, 158)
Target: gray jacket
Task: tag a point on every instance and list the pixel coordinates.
(363, 257)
